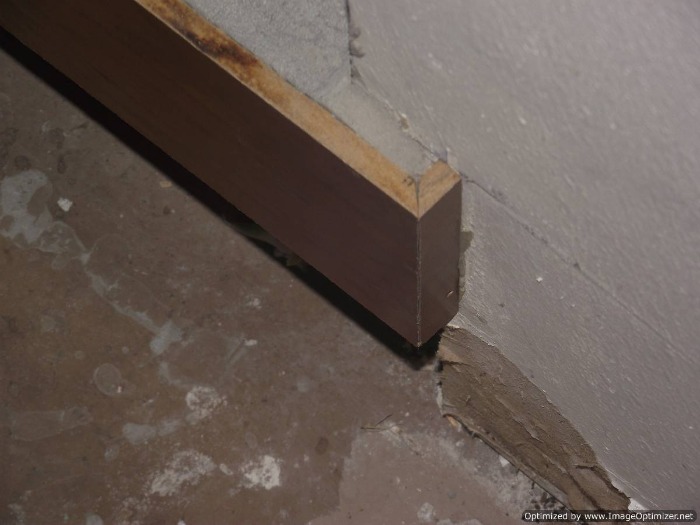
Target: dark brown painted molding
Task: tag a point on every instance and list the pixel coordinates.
(389, 241)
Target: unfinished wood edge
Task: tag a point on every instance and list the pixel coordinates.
(435, 183)
(307, 114)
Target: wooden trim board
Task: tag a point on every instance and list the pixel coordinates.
(390, 242)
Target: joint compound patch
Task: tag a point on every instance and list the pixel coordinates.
(186, 468)
(263, 473)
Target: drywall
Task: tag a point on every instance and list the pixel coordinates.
(630, 394)
(577, 124)
(576, 127)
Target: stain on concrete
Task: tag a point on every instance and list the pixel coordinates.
(139, 434)
(22, 162)
(26, 219)
(34, 426)
(93, 519)
(8, 137)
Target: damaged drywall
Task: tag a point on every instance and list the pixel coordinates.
(491, 396)
(607, 373)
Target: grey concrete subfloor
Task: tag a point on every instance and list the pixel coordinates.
(157, 367)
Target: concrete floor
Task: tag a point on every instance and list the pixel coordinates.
(158, 367)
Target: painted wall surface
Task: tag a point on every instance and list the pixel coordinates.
(576, 125)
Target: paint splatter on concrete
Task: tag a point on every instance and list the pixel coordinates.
(26, 220)
(138, 434)
(202, 401)
(185, 468)
(65, 204)
(426, 513)
(264, 473)
(93, 519)
(108, 380)
(165, 335)
(225, 469)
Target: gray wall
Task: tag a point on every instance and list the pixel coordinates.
(576, 126)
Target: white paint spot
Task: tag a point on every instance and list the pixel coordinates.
(250, 342)
(254, 302)
(65, 204)
(426, 513)
(263, 473)
(202, 401)
(186, 468)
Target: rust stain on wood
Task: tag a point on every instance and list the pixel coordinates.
(307, 114)
(207, 39)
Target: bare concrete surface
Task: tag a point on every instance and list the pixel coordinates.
(158, 367)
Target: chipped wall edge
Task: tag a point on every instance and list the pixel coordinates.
(492, 398)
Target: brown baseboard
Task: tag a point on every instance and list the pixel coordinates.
(388, 239)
